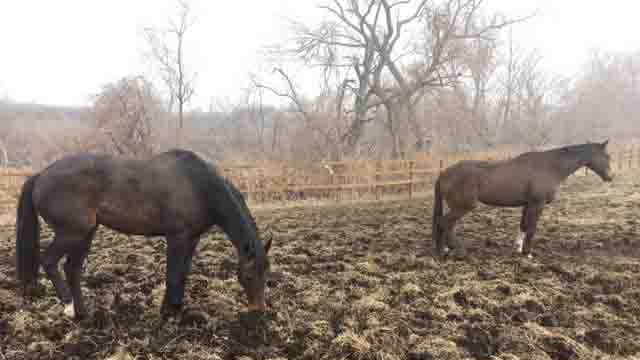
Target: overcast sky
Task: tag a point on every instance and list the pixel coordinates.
(61, 52)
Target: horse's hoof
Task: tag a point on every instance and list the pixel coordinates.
(458, 253)
(169, 310)
(442, 252)
(166, 315)
(34, 291)
(194, 316)
(69, 311)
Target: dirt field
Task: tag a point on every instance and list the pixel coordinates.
(359, 282)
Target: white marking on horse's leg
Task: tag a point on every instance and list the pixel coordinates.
(69, 310)
(445, 250)
(519, 243)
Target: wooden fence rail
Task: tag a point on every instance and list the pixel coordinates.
(346, 180)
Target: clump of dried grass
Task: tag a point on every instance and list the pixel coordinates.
(352, 343)
(120, 353)
(437, 347)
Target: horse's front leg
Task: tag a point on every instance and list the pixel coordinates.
(531, 222)
(180, 251)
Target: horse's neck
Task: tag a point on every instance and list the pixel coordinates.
(242, 236)
(238, 227)
(225, 211)
(567, 165)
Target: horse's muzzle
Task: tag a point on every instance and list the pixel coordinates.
(260, 307)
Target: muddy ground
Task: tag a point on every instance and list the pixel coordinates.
(359, 282)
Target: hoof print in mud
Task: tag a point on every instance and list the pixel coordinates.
(190, 317)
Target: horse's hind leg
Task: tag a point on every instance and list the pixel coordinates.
(531, 222)
(52, 256)
(450, 220)
(73, 269)
(519, 243)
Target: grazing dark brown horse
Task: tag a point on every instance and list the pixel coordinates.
(174, 194)
(529, 180)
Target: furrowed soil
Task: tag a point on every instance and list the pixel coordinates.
(360, 282)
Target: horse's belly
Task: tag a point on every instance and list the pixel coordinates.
(131, 217)
(492, 201)
(501, 194)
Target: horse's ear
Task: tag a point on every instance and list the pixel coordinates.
(604, 144)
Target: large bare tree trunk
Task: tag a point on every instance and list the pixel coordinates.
(172, 63)
(509, 82)
(5, 155)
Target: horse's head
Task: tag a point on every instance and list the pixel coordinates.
(599, 160)
(252, 275)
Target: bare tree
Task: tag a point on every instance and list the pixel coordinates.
(480, 61)
(604, 98)
(373, 45)
(126, 113)
(167, 50)
(533, 98)
(324, 119)
(509, 80)
(6, 131)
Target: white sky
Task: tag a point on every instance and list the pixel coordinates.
(61, 52)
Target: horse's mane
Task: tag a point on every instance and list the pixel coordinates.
(241, 199)
(576, 147)
(208, 182)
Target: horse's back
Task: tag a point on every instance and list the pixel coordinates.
(69, 173)
(467, 168)
(501, 182)
(160, 192)
(462, 175)
(66, 187)
(129, 195)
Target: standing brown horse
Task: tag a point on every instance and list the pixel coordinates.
(174, 194)
(529, 180)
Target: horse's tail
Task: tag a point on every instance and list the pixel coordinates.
(27, 235)
(436, 228)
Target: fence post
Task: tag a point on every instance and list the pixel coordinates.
(250, 192)
(332, 182)
(620, 159)
(338, 180)
(411, 164)
(288, 189)
(376, 189)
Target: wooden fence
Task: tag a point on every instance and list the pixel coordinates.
(278, 182)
